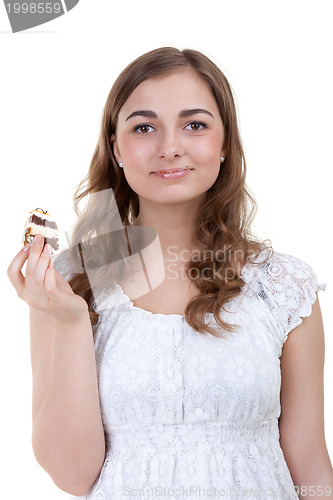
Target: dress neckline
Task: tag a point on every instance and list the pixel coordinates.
(164, 315)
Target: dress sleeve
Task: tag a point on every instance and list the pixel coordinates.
(62, 264)
(293, 284)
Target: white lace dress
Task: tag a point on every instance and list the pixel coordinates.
(188, 415)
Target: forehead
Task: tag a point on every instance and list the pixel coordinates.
(180, 89)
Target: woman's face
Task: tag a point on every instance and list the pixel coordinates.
(168, 123)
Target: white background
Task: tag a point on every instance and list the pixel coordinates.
(55, 80)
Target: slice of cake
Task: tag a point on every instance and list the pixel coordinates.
(40, 222)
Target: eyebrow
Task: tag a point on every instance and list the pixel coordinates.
(182, 114)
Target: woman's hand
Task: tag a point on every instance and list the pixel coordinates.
(43, 287)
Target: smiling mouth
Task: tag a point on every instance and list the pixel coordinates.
(172, 171)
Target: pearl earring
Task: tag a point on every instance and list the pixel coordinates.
(222, 159)
(120, 164)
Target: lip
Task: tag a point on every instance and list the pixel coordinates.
(172, 173)
(175, 173)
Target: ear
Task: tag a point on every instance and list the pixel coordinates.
(115, 147)
(225, 149)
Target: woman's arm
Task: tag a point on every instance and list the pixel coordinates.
(68, 436)
(301, 423)
(41, 330)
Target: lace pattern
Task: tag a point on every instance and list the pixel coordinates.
(290, 286)
(182, 409)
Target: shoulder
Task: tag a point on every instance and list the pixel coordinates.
(283, 265)
(280, 270)
(67, 261)
(287, 284)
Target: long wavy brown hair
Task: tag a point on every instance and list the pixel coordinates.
(224, 220)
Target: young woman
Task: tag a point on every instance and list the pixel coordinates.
(196, 369)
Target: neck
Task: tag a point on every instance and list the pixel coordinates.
(175, 223)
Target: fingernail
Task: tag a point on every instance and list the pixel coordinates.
(38, 239)
(26, 247)
(47, 248)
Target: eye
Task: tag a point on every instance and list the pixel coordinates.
(142, 126)
(203, 125)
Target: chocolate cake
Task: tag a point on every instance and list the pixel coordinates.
(40, 222)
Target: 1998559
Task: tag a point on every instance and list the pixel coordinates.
(34, 8)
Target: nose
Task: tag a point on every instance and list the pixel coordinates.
(170, 145)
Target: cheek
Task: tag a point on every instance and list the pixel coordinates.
(207, 155)
(134, 157)
(126, 146)
(209, 150)
(133, 150)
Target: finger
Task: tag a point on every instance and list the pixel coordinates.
(50, 282)
(14, 270)
(35, 251)
(42, 265)
(54, 287)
